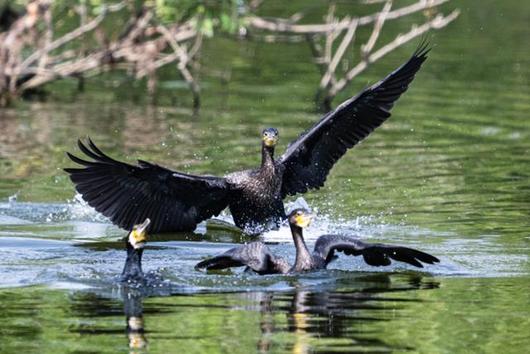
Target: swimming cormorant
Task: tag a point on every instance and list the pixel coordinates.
(258, 257)
(176, 201)
(135, 243)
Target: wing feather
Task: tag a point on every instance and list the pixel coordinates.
(308, 160)
(255, 255)
(375, 254)
(127, 194)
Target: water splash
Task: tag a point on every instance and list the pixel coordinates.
(73, 210)
(70, 245)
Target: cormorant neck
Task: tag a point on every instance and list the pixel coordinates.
(267, 156)
(133, 264)
(303, 257)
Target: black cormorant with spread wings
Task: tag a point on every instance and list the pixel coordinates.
(175, 201)
(258, 257)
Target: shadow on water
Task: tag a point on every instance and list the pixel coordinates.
(335, 318)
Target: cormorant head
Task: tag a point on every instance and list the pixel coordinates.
(270, 137)
(300, 217)
(138, 236)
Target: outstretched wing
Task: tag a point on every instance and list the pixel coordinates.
(255, 255)
(375, 254)
(308, 160)
(129, 194)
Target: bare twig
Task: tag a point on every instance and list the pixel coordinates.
(378, 26)
(436, 23)
(321, 39)
(184, 58)
(48, 35)
(30, 57)
(72, 35)
(141, 48)
(330, 34)
(255, 4)
(370, 2)
(348, 37)
(281, 26)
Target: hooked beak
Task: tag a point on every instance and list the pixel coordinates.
(270, 141)
(143, 227)
(303, 220)
(138, 236)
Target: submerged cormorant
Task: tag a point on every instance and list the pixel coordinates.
(176, 201)
(258, 257)
(135, 243)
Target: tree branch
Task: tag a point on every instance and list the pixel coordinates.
(72, 35)
(378, 26)
(140, 49)
(348, 37)
(284, 26)
(438, 22)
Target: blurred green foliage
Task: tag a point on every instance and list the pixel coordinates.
(210, 15)
(221, 15)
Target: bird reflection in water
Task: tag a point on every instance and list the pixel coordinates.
(133, 309)
(340, 312)
(328, 320)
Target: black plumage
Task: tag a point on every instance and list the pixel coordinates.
(254, 255)
(128, 194)
(258, 257)
(308, 160)
(177, 201)
(135, 243)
